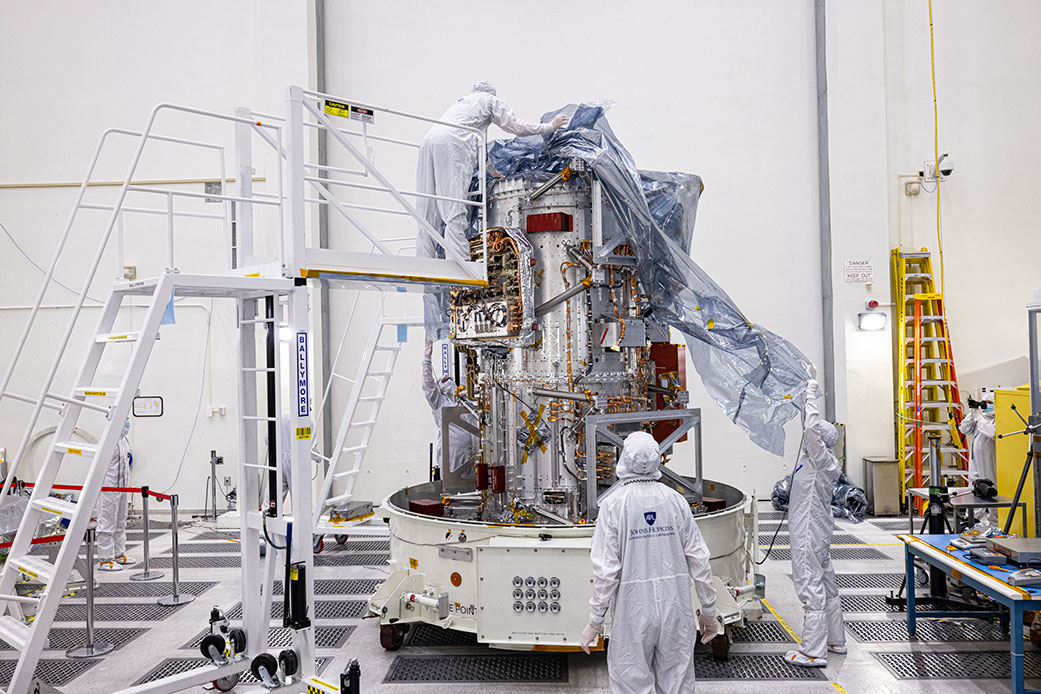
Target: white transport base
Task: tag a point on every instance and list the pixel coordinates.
(479, 566)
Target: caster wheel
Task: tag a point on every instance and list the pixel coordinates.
(226, 684)
(319, 544)
(393, 635)
(214, 641)
(341, 539)
(266, 661)
(289, 662)
(237, 640)
(721, 646)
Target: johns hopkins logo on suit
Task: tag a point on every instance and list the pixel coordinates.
(650, 516)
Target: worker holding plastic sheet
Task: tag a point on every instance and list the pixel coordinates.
(447, 157)
(983, 456)
(811, 525)
(112, 508)
(442, 393)
(646, 550)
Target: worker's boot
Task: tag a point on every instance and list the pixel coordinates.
(123, 559)
(802, 660)
(109, 565)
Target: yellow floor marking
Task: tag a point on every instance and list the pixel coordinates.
(839, 687)
(791, 632)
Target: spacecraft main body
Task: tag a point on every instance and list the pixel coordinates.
(563, 357)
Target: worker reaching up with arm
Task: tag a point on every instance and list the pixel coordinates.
(811, 526)
(646, 551)
(983, 456)
(442, 393)
(447, 157)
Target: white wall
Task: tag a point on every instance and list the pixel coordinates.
(70, 70)
(988, 102)
(724, 90)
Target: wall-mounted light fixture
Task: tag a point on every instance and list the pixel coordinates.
(871, 320)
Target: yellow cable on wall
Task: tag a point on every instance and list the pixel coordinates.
(936, 144)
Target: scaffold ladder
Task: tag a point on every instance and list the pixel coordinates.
(926, 379)
(29, 639)
(368, 392)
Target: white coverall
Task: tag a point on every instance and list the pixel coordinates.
(983, 463)
(646, 550)
(811, 526)
(462, 445)
(112, 507)
(447, 157)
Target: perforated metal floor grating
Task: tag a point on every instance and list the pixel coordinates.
(149, 589)
(340, 586)
(216, 535)
(106, 612)
(280, 637)
(771, 515)
(323, 609)
(961, 665)
(926, 630)
(837, 553)
(525, 667)
(430, 636)
(345, 559)
(64, 639)
(771, 527)
(749, 666)
(200, 547)
(175, 666)
(896, 525)
(53, 672)
(785, 539)
(869, 580)
(196, 561)
(761, 632)
(874, 603)
(358, 546)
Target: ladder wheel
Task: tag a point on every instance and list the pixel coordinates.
(392, 636)
(268, 662)
(289, 661)
(215, 641)
(237, 640)
(319, 544)
(226, 684)
(341, 539)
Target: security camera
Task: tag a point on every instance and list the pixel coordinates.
(945, 166)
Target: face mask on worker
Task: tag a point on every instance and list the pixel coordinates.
(447, 387)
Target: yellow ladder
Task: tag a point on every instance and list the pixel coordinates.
(926, 382)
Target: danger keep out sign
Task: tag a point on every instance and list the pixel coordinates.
(862, 271)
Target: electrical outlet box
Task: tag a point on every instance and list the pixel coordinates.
(227, 480)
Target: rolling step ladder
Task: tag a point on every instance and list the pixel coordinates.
(354, 433)
(29, 638)
(926, 378)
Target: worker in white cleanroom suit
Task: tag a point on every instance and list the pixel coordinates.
(983, 462)
(447, 157)
(462, 445)
(646, 549)
(810, 525)
(112, 508)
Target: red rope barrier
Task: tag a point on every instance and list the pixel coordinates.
(38, 540)
(128, 490)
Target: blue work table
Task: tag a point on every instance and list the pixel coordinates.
(933, 549)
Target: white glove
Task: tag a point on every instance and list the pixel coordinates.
(559, 121)
(708, 626)
(813, 389)
(428, 350)
(590, 636)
